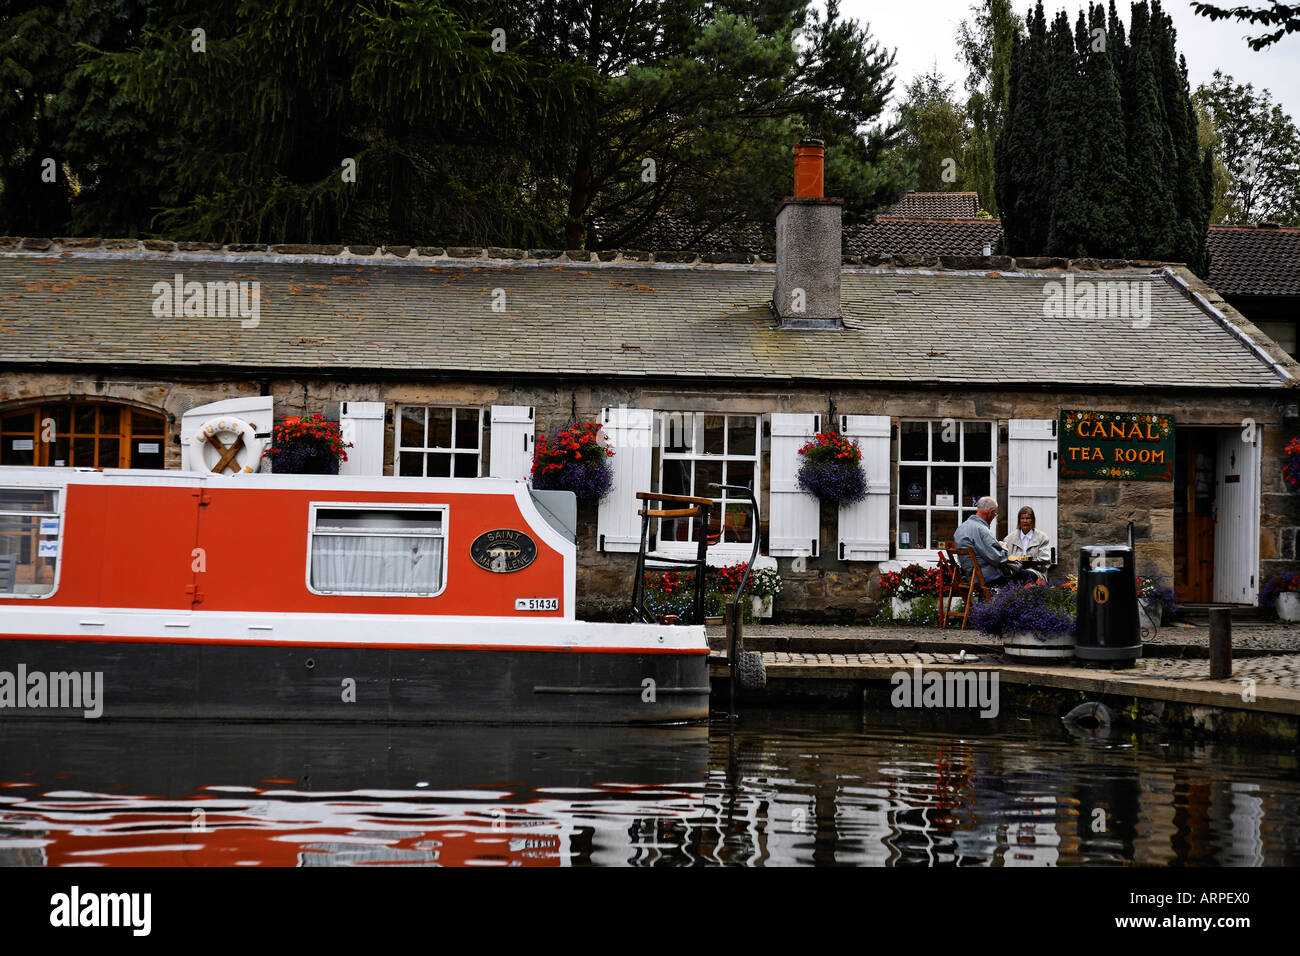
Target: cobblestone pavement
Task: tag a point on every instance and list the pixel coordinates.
(1279, 669)
(1280, 638)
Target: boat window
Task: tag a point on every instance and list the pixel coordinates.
(381, 550)
(30, 533)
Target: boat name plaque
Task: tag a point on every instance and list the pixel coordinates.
(503, 550)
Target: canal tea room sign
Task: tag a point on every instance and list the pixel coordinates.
(1133, 446)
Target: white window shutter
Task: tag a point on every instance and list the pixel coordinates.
(362, 424)
(794, 519)
(618, 527)
(512, 442)
(1031, 462)
(864, 525)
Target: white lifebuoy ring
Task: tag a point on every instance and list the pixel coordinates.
(227, 431)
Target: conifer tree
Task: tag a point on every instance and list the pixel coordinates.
(1100, 155)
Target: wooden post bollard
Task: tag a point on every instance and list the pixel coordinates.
(1220, 643)
(733, 655)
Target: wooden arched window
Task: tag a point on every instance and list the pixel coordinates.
(82, 434)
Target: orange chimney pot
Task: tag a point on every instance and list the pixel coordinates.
(809, 161)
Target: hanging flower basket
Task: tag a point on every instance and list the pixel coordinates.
(1291, 467)
(832, 469)
(312, 446)
(575, 459)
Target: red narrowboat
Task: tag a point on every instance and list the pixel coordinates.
(165, 594)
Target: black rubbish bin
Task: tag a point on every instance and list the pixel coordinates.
(1107, 628)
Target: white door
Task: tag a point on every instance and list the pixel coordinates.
(1236, 528)
(1031, 458)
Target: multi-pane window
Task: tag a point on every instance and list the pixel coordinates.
(694, 450)
(82, 435)
(944, 468)
(29, 541)
(377, 550)
(435, 442)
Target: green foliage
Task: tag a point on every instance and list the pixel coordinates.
(934, 131)
(1284, 16)
(454, 141)
(1256, 149)
(1099, 155)
(985, 43)
(922, 612)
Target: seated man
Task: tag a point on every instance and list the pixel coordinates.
(974, 533)
(1026, 540)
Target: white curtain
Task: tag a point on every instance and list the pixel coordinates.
(396, 565)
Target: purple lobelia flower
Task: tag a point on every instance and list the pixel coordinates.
(836, 483)
(586, 481)
(1034, 607)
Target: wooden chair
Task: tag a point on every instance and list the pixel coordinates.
(952, 580)
(698, 511)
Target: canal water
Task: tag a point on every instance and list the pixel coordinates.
(783, 788)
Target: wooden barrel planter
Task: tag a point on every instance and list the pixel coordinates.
(1037, 646)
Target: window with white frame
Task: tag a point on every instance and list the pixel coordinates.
(377, 549)
(693, 450)
(30, 533)
(944, 467)
(439, 442)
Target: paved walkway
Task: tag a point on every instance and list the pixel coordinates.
(1282, 670)
(1271, 638)
(1277, 689)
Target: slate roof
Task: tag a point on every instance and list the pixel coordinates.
(635, 319)
(1245, 260)
(1248, 260)
(936, 206)
(670, 232)
(934, 237)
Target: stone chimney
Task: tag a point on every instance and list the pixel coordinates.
(808, 228)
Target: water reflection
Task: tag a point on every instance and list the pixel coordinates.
(785, 788)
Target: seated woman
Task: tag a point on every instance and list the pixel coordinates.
(1026, 540)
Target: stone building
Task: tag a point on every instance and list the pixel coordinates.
(957, 375)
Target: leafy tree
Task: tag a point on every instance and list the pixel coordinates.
(1023, 186)
(1284, 16)
(1099, 155)
(1208, 139)
(74, 154)
(1257, 149)
(985, 42)
(934, 133)
(500, 122)
(715, 94)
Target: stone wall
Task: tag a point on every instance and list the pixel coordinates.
(824, 589)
